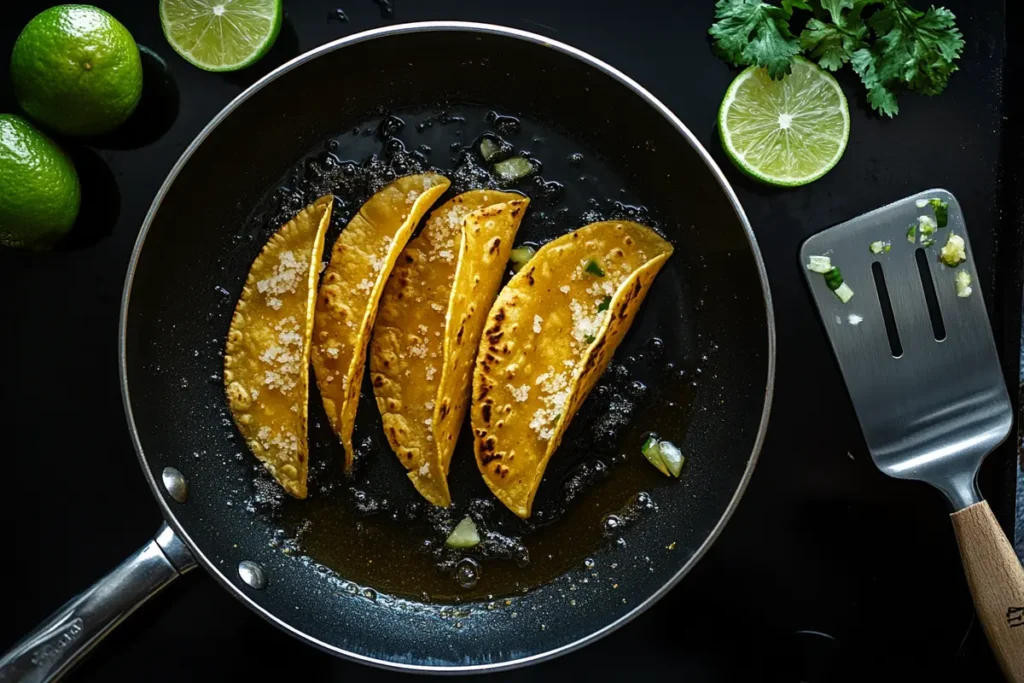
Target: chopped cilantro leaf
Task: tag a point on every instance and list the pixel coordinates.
(589, 339)
(912, 50)
(605, 303)
(889, 44)
(594, 268)
(833, 44)
(755, 32)
(789, 5)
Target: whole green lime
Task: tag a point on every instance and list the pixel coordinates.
(76, 69)
(39, 190)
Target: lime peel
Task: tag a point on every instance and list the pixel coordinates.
(788, 132)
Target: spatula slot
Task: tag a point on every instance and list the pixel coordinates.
(890, 320)
(938, 327)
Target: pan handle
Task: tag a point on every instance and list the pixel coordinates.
(62, 640)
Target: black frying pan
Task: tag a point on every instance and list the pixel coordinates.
(707, 384)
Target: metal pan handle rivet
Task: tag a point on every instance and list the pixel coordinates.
(175, 484)
(252, 574)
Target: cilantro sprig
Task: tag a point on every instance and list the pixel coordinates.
(889, 44)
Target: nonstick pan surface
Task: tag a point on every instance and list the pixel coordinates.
(710, 392)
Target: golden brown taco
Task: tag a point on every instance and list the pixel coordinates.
(549, 336)
(266, 361)
(429, 326)
(361, 262)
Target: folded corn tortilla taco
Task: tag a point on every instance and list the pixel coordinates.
(361, 261)
(428, 328)
(266, 360)
(549, 335)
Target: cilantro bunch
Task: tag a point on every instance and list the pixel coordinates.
(889, 44)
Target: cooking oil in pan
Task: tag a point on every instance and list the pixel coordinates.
(373, 529)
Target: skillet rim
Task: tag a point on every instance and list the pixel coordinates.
(542, 41)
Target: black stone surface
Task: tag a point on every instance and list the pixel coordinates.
(828, 571)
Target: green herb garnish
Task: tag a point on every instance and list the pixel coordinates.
(594, 268)
(940, 208)
(520, 256)
(605, 303)
(833, 279)
(912, 234)
(589, 339)
(889, 44)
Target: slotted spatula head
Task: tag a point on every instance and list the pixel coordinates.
(926, 384)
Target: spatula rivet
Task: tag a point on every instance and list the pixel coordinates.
(175, 484)
(252, 574)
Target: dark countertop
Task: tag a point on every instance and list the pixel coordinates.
(826, 562)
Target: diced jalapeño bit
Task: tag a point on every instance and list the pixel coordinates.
(963, 284)
(594, 268)
(954, 252)
(652, 451)
(464, 535)
(605, 303)
(513, 169)
(489, 149)
(671, 456)
(844, 293)
(819, 264)
(833, 279)
(926, 227)
(520, 256)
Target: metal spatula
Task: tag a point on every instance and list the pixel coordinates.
(922, 372)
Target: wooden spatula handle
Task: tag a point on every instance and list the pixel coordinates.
(996, 579)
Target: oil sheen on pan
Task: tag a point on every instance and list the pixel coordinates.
(371, 524)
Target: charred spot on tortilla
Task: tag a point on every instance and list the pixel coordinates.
(429, 326)
(560, 320)
(266, 359)
(361, 261)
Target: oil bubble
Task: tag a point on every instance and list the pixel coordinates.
(467, 573)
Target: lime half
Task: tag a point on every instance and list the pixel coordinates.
(221, 35)
(787, 132)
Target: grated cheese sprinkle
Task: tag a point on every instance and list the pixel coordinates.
(286, 275)
(520, 393)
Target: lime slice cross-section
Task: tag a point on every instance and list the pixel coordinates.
(787, 132)
(221, 35)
